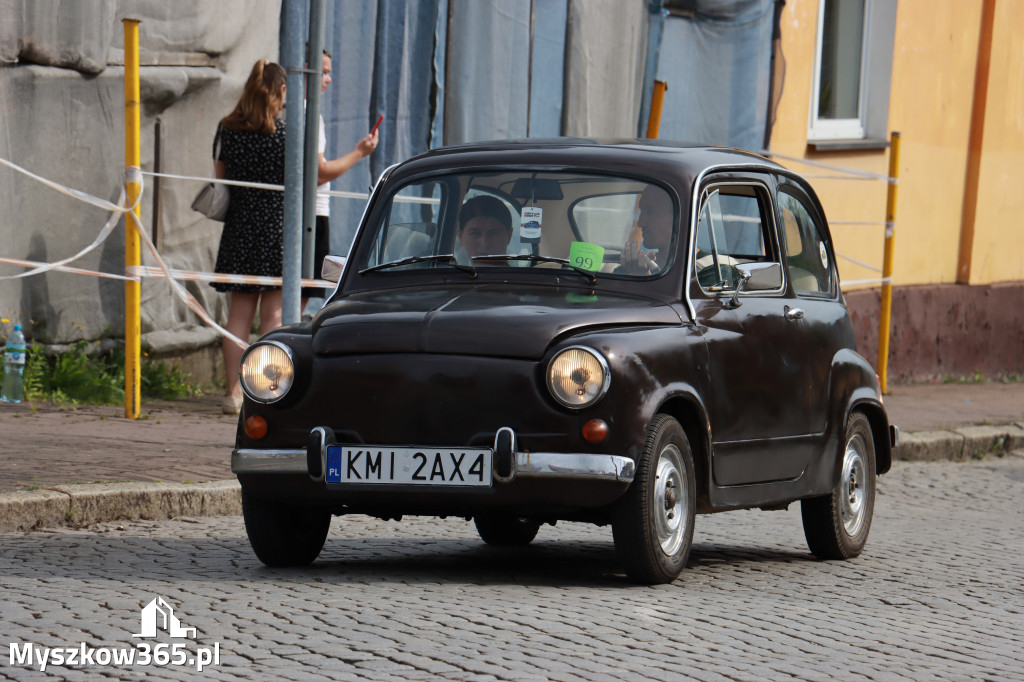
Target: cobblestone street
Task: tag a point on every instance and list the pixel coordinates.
(937, 595)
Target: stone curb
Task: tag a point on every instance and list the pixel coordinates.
(81, 505)
(958, 445)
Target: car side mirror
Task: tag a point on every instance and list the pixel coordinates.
(756, 277)
(333, 267)
(761, 276)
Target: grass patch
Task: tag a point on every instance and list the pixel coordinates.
(979, 378)
(78, 377)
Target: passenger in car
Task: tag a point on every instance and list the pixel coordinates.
(485, 228)
(655, 220)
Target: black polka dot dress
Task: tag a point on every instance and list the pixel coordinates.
(252, 240)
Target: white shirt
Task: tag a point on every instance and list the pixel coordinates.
(323, 201)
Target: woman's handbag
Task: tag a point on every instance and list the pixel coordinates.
(212, 200)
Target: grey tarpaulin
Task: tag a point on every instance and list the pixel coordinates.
(441, 73)
(384, 60)
(451, 71)
(717, 65)
(548, 70)
(383, 63)
(488, 70)
(605, 56)
(505, 71)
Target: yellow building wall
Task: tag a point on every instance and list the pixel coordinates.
(998, 254)
(934, 60)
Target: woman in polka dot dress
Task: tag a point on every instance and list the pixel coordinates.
(249, 146)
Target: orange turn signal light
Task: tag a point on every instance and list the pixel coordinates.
(255, 427)
(595, 431)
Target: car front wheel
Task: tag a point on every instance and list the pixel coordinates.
(836, 525)
(284, 534)
(653, 523)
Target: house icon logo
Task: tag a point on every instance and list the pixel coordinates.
(159, 614)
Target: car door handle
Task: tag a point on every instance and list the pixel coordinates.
(794, 313)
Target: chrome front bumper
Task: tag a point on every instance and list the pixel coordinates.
(552, 465)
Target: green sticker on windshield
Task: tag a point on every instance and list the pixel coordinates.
(586, 255)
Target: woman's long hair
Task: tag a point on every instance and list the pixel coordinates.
(260, 101)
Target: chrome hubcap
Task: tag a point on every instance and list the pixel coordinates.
(852, 487)
(670, 501)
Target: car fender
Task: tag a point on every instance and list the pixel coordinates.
(663, 371)
(854, 386)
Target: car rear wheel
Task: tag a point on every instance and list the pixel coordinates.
(653, 523)
(506, 530)
(836, 525)
(284, 534)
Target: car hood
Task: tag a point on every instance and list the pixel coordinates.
(490, 319)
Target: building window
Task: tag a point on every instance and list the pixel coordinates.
(852, 70)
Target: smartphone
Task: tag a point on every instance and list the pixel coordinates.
(377, 124)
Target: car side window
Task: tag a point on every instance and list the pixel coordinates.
(731, 230)
(804, 245)
(411, 226)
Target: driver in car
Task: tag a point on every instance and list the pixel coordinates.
(485, 229)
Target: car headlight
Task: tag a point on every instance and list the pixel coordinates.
(267, 371)
(578, 377)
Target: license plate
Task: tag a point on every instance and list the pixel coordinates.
(408, 466)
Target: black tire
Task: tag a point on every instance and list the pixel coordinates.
(653, 522)
(283, 534)
(506, 530)
(836, 525)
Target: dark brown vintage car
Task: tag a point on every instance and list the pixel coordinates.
(624, 333)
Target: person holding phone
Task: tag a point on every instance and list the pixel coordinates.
(655, 220)
(328, 170)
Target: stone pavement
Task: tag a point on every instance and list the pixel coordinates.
(935, 596)
(88, 464)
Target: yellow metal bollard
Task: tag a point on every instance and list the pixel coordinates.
(890, 225)
(132, 245)
(654, 118)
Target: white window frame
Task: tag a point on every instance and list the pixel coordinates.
(842, 128)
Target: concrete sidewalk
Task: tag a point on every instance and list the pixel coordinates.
(90, 464)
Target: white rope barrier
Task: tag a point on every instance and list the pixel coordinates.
(255, 185)
(816, 176)
(196, 276)
(115, 214)
(861, 174)
(860, 263)
(131, 173)
(181, 292)
(74, 193)
(364, 196)
(60, 268)
(847, 174)
(853, 282)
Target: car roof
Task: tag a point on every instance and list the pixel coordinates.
(669, 160)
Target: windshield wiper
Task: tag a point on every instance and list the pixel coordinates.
(591, 277)
(447, 258)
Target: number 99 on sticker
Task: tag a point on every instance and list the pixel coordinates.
(586, 255)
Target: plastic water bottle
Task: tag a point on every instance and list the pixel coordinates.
(14, 366)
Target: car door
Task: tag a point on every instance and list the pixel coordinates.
(814, 281)
(760, 382)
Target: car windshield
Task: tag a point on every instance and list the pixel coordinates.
(590, 224)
